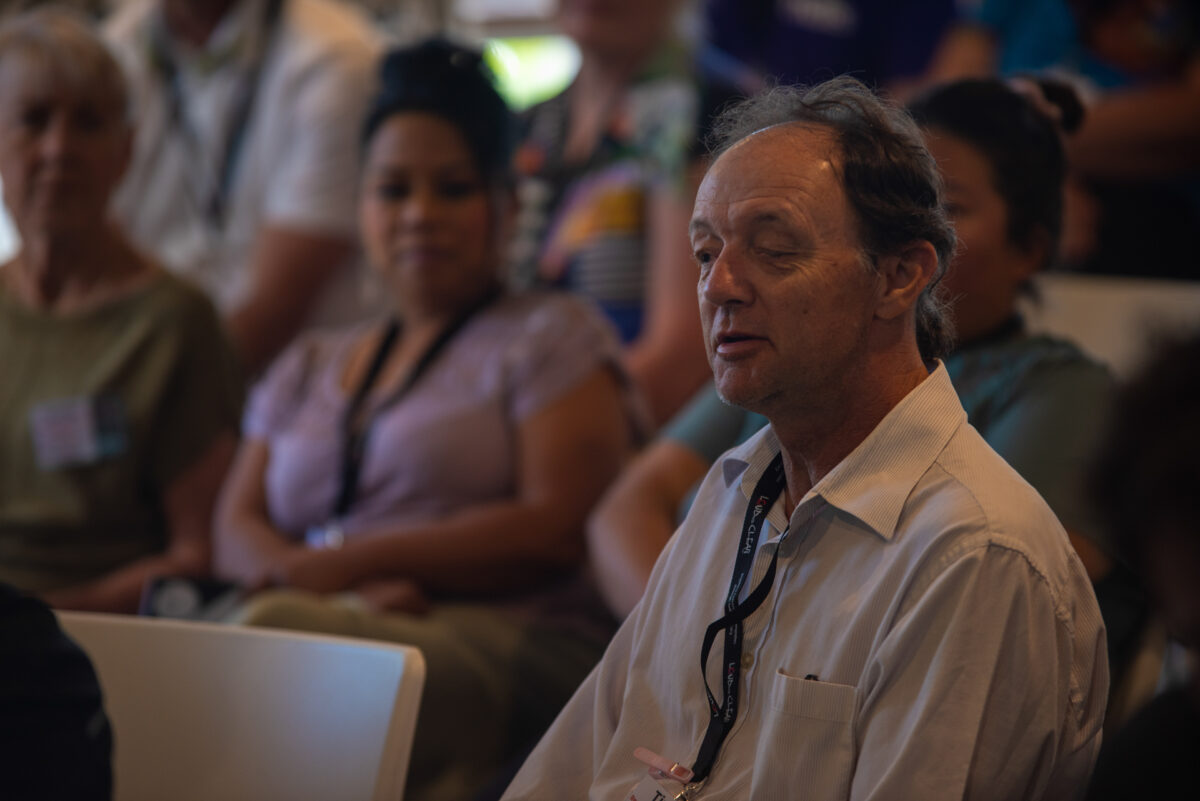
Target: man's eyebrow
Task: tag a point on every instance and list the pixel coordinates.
(758, 220)
(768, 218)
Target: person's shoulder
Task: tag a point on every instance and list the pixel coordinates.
(323, 346)
(968, 463)
(978, 501)
(1044, 352)
(1038, 348)
(181, 318)
(324, 27)
(1028, 368)
(311, 357)
(962, 493)
(125, 25)
(1031, 354)
(177, 300)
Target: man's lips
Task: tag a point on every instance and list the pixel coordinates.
(735, 344)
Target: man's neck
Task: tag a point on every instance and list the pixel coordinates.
(816, 438)
(193, 21)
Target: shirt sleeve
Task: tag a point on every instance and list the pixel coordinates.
(315, 183)
(987, 686)
(571, 753)
(578, 757)
(205, 391)
(277, 394)
(1047, 433)
(564, 341)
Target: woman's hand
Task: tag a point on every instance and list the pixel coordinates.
(394, 595)
(315, 570)
(248, 548)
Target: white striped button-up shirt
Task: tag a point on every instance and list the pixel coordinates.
(955, 641)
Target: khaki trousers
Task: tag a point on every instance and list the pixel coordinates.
(492, 683)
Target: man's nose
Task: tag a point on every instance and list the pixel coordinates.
(725, 281)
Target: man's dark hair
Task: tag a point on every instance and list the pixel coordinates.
(890, 179)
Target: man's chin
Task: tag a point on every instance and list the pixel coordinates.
(742, 394)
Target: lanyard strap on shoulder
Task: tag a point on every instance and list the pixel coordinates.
(723, 715)
(221, 180)
(355, 432)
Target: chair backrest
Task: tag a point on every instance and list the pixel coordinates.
(207, 711)
(1113, 318)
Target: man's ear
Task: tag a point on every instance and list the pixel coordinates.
(903, 276)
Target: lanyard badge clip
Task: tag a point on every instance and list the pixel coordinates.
(651, 787)
(689, 791)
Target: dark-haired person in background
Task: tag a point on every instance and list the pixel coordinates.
(1146, 482)
(449, 453)
(1134, 197)
(904, 617)
(1038, 400)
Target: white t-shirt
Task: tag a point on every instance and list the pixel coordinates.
(298, 162)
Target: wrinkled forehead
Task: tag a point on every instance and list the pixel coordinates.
(84, 77)
(782, 160)
(786, 143)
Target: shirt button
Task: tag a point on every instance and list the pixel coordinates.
(747, 661)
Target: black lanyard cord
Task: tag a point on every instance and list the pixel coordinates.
(723, 715)
(356, 433)
(214, 206)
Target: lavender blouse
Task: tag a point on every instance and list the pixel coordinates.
(450, 443)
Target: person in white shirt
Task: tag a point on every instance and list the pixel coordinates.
(244, 173)
(864, 601)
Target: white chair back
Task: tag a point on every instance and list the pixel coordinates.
(204, 711)
(1114, 319)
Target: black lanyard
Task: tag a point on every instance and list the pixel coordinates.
(214, 206)
(354, 433)
(722, 716)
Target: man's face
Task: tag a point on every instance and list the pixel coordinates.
(786, 299)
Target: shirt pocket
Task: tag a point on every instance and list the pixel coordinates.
(809, 737)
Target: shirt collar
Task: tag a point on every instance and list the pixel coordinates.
(237, 39)
(875, 479)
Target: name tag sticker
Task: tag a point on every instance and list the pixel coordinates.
(650, 790)
(69, 432)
